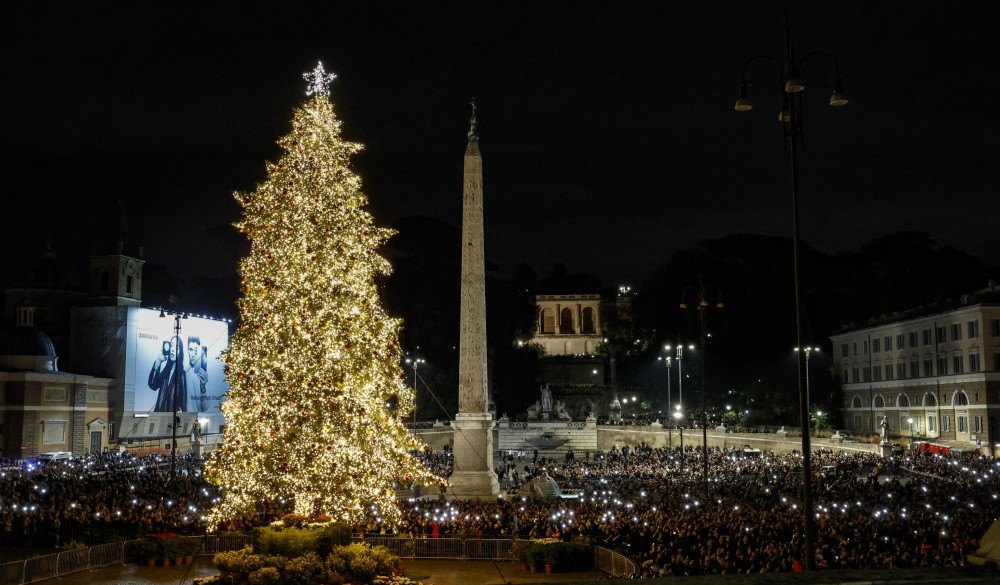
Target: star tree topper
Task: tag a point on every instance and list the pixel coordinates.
(319, 80)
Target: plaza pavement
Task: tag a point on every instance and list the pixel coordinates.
(503, 573)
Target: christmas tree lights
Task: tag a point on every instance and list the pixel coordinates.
(314, 366)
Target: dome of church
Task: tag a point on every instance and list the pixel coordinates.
(26, 341)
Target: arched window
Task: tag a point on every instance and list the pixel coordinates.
(878, 402)
(128, 284)
(566, 321)
(903, 401)
(930, 399)
(856, 402)
(961, 399)
(105, 280)
(588, 322)
(548, 321)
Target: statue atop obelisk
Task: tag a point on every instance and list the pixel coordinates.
(473, 476)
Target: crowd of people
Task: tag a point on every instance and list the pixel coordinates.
(40, 502)
(914, 510)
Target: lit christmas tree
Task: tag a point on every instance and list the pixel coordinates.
(315, 365)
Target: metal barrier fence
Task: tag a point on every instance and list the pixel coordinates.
(40, 568)
(103, 555)
(71, 561)
(489, 549)
(10, 573)
(52, 566)
(214, 543)
(616, 564)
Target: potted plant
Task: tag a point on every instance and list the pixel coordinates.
(522, 552)
(537, 558)
(148, 551)
(554, 557)
(189, 546)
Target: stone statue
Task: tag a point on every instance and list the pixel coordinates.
(196, 431)
(560, 411)
(535, 411)
(884, 429)
(546, 399)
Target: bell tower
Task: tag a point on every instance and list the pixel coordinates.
(115, 270)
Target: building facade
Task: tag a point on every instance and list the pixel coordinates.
(568, 324)
(932, 376)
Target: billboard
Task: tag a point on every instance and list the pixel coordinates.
(195, 382)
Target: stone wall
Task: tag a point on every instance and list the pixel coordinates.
(590, 437)
(618, 436)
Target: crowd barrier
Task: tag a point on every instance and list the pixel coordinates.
(487, 549)
(103, 555)
(615, 564)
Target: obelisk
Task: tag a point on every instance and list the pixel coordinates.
(473, 475)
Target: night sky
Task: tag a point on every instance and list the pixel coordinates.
(607, 129)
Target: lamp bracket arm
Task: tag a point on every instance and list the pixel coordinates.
(804, 58)
(774, 60)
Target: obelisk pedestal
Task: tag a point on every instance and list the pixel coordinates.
(473, 475)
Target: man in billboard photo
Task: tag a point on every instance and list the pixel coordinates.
(196, 374)
(163, 378)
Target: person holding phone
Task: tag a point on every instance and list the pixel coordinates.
(163, 378)
(196, 374)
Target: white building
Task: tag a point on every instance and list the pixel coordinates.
(932, 376)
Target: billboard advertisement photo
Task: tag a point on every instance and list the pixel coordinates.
(182, 370)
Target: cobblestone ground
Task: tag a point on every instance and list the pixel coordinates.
(502, 573)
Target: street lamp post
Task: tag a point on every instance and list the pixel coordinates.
(414, 363)
(680, 374)
(678, 417)
(703, 293)
(808, 352)
(667, 360)
(791, 86)
(177, 349)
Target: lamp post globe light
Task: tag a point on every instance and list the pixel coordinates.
(791, 87)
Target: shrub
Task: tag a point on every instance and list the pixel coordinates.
(361, 563)
(289, 542)
(240, 563)
(265, 576)
(294, 541)
(304, 568)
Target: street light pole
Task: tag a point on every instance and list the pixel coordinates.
(791, 86)
(177, 349)
(414, 362)
(680, 378)
(808, 352)
(702, 291)
(670, 433)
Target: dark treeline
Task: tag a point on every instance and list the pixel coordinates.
(750, 354)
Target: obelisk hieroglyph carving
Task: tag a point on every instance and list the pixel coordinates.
(473, 475)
